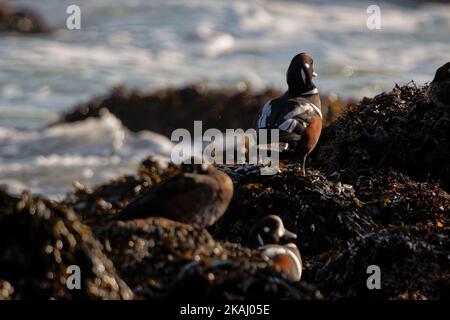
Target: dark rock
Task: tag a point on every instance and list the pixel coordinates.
(39, 239)
(22, 21)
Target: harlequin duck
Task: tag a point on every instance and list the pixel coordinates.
(297, 113)
(439, 89)
(198, 196)
(271, 238)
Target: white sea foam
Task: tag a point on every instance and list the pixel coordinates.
(48, 160)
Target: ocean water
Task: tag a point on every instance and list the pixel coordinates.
(152, 44)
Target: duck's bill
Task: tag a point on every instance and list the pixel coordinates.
(289, 236)
(315, 74)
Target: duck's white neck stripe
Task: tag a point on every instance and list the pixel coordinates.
(317, 110)
(313, 91)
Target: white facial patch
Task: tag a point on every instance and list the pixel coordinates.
(302, 73)
(281, 231)
(266, 229)
(306, 65)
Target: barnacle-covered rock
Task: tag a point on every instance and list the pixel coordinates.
(39, 240)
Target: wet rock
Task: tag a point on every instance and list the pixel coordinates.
(39, 240)
(398, 129)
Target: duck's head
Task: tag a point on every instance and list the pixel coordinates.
(270, 230)
(300, 75)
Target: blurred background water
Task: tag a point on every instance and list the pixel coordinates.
(153, 44)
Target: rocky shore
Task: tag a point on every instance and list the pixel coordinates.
(375, 193)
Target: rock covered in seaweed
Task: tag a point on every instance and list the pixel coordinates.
(324, 214)
(39, 239)
(393, 199)
(327, 214)
(359, 213)
(160, 258)
(94, 207)
(398, 129)
(413, 264)
(165, 110)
